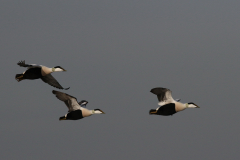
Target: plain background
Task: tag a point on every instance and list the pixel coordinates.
(115, 52)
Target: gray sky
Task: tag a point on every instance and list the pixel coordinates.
(115, 52)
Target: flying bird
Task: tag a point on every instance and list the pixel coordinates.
(35, 71)
(75, 110)
(168, 106)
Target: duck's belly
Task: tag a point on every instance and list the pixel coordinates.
(32, 73)
(75, 115)
(167, 110)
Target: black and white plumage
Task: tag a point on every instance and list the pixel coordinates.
(169, 106)
(83, 103)
(75, 109)
(38, 71)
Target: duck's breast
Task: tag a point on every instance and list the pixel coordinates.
(86, 112)
(45, 71)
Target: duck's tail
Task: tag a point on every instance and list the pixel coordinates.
(62, 118)
(19, 77)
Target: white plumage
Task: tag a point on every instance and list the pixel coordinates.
(75, 109)
(166, 100)
(35, 71)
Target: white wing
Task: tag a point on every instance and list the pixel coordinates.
(72, 104)
(164, 95)
(168, 99)
(70, 101)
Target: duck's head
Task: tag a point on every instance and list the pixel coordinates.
(192, 105)
(98, 111)
(58, 69)
(83, 103)
(153, 111)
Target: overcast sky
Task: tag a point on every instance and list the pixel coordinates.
(115, 52)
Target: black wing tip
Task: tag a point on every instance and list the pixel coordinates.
(57, 86)
(158, 90)
(61, 88)
(54, 92)
(21, 62)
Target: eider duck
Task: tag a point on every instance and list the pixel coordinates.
(168, 105)
(75, 109)
(38, 71)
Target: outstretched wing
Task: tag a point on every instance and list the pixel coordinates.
(22, 64)
(164, 95)
(70, 101)
(52, 81)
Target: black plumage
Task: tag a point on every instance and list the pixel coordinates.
(166, 110)
(22, 64)
(74, 115)
(33, 73)
(168, 106)
(36, 72)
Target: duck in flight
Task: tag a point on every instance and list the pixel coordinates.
(38, 71)
(75, 110)
(168, 106)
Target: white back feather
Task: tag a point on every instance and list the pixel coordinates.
(168, 100)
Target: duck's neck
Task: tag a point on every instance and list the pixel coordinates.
(190, 106)
(95, 112)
